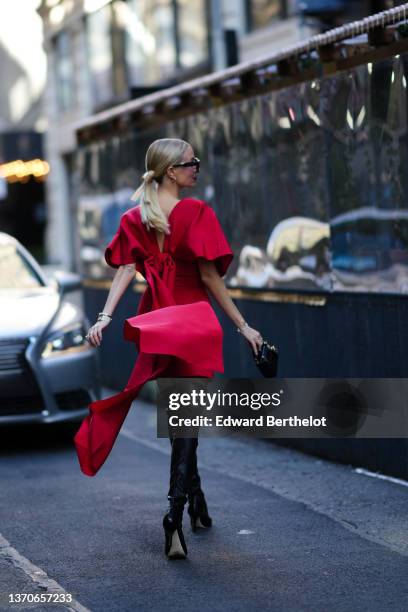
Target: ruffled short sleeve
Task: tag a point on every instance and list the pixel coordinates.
(206, 239)
(125, 248)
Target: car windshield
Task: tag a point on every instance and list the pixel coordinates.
(15, 271)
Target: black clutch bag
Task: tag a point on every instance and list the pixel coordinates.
(267, 359)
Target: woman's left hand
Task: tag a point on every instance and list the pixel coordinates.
(253, 337)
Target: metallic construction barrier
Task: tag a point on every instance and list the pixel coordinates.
(308, 180)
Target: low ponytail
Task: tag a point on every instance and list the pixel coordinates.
(160, 155)
(151, 212)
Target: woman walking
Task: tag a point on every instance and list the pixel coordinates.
(179, 247)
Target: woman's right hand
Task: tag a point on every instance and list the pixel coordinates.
(253, 337)
(94, 335)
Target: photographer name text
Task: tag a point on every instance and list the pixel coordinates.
(260, 421)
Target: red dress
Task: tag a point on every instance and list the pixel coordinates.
(175, 329)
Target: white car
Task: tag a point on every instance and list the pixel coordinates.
(48, 371)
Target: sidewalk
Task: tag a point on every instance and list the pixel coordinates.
(368, 505)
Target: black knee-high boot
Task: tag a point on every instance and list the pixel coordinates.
(195, 483)
(183, 466)
(197, 505)
(183, 457)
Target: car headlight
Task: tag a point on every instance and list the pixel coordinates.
(69, 338)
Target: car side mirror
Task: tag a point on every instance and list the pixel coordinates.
(67, 281)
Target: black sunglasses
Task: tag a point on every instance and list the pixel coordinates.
(194, 162)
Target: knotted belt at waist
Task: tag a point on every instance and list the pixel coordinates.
(160, 273)
(163, 273)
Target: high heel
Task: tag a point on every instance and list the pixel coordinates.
(198, 511)
(175, 545)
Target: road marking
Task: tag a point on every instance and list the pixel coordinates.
(399, 481)
(153, 445)
(37, 575)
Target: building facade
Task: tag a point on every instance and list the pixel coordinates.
(101, 53)
(104, 52)
(22, 123)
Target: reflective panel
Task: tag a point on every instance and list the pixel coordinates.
(309, 182)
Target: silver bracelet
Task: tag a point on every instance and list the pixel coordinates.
(104, 314)
(239, 329)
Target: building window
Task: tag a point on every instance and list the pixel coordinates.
(262, 13)
(144, 44)
(64, 71)
(192, 32)
(99, 42)
(150, 41)
(163, 38)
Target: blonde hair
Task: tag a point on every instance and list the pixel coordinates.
(160, 155)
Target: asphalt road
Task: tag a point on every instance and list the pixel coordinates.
(291, 532)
